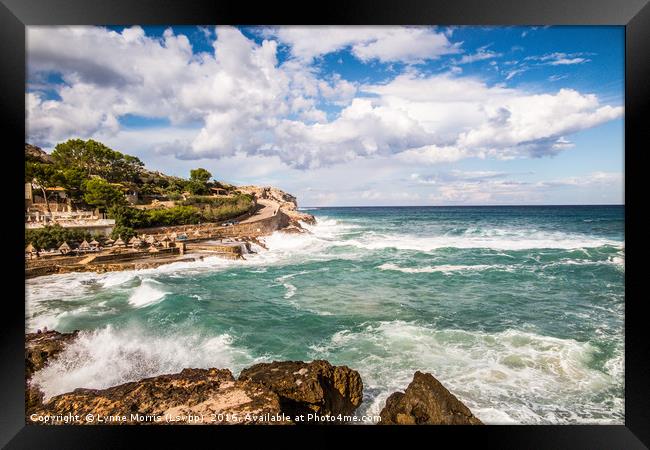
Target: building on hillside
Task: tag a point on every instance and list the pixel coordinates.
(57, 197)
(58, 210)
(218, 191)
(29, 198)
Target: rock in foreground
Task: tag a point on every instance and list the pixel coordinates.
(426, 402)
(310, 388)
(193, 396)
(40, 347)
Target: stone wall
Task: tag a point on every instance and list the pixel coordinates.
(114, 257)
(261, 227)
(104, 263)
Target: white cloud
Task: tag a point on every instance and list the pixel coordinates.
(383, 43)
(560, 59)
(481, 54)
(468, 189)
(513, 73)
(557, 77)
(594, 179)
(567, 61)
(240, 100)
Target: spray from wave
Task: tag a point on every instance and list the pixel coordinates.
(147, 294)
(109, 356)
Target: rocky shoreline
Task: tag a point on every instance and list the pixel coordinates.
(194, 249)
(276, 393)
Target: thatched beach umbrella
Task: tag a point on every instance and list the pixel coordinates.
(108, 242)
(119, 242)
(132, 239)
(94, 243)
(150, 239)
(153, 249)
(84, 245)
(135, 242)
(64, 248)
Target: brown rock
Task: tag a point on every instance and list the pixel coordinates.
(35, 153)
(426, 402)
(193, 396)
(33, 398)
(310, 388)
(293, 229)
(287, 202)
(41, 347)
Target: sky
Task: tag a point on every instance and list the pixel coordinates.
(347, 116)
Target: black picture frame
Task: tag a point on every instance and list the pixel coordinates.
(16, 14)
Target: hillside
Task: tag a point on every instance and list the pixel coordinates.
(94, 176)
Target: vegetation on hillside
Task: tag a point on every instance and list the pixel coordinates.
(128, 219)
(96, 176)
(52, 236)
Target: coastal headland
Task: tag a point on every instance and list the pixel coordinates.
(275, 393)
(141, 219)
(208, 239)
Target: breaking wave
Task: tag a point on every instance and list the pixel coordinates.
(147, 294)
(108, 357)
(504, 377)
(513, 241)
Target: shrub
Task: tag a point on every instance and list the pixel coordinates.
(52, 236)
(178, 215)
(125, 233)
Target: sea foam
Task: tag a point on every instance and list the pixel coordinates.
(510, 376)
(110, 356)
(147, 294)
(445, 268)
(513, 241)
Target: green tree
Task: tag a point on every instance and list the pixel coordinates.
(128, 216)
(198, 184)
(72, 179)
(200, 174)
(42, 176)
(99, 192)
(197, 188)
(95, 158)
(52, 236)
(125, 233)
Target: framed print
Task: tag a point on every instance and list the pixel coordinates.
(381, 218)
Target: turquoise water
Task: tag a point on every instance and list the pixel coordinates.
(517, 310)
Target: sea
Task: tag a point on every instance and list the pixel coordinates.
(518, 311)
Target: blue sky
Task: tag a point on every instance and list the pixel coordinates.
(347, 116)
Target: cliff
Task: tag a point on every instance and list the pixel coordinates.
(34, 153)
(286, 202)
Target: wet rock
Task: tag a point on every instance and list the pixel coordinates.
(310, 388)
(33, 398)
(41, 347)
(293, 229)
(193, 396)
(426, 402)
